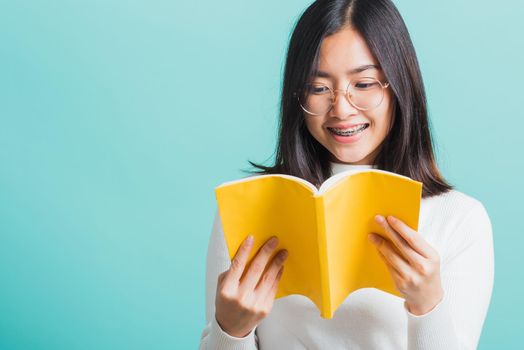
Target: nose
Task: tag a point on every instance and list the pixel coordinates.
(342, 107)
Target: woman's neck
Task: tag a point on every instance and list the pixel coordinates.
(339, 167)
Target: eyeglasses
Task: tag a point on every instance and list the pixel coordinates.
(363, 93)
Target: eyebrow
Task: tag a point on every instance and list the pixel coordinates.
(322, 74)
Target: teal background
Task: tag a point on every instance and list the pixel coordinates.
(118, 119)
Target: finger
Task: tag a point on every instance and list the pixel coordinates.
(393, 257)
(411, 237)
(258, 265)
(402, 245)
(392, 271)
(239, 261)
(270, 297)
(266, 282)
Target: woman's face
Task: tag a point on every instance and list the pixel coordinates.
(340, 54)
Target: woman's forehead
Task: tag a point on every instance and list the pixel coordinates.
(344, 52)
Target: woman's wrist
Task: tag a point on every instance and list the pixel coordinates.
(422, 308)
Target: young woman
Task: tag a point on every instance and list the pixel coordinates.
(353, 97)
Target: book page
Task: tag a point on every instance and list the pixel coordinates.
(335, 179)
(350, 208)
(299, 180)
(275, 205)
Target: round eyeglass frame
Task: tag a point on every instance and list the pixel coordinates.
(347, 95)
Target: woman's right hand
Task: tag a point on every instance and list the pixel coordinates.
(243, 301)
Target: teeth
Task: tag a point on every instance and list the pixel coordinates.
(350, 131)
(355, 128)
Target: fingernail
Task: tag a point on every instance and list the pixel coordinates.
(379, 218)
(392, 218)
(273, 242)
(284, 254)
(249, 239)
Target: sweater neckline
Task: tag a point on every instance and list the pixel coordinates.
(340, 167)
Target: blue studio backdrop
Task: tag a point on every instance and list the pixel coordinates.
(118, 118)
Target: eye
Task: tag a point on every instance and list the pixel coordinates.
(320, 89)
(317, 89)
(367, 84)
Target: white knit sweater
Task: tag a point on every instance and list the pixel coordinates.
(455, 224)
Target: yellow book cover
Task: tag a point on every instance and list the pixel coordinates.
(325, 230)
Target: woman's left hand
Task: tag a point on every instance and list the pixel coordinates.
(412, 262)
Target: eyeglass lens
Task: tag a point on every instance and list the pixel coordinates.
(364, 94)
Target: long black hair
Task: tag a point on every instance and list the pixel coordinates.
(408, 148)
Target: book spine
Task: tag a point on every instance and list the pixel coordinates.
(323, 257)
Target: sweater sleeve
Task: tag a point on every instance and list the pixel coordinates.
(467, 272)
(218, 261)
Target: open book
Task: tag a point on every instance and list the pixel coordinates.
(325, 231)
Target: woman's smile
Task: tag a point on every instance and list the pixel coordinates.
(348, 135)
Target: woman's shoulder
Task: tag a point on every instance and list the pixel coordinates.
(456, 201)
(454, 219)
(453, 209)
